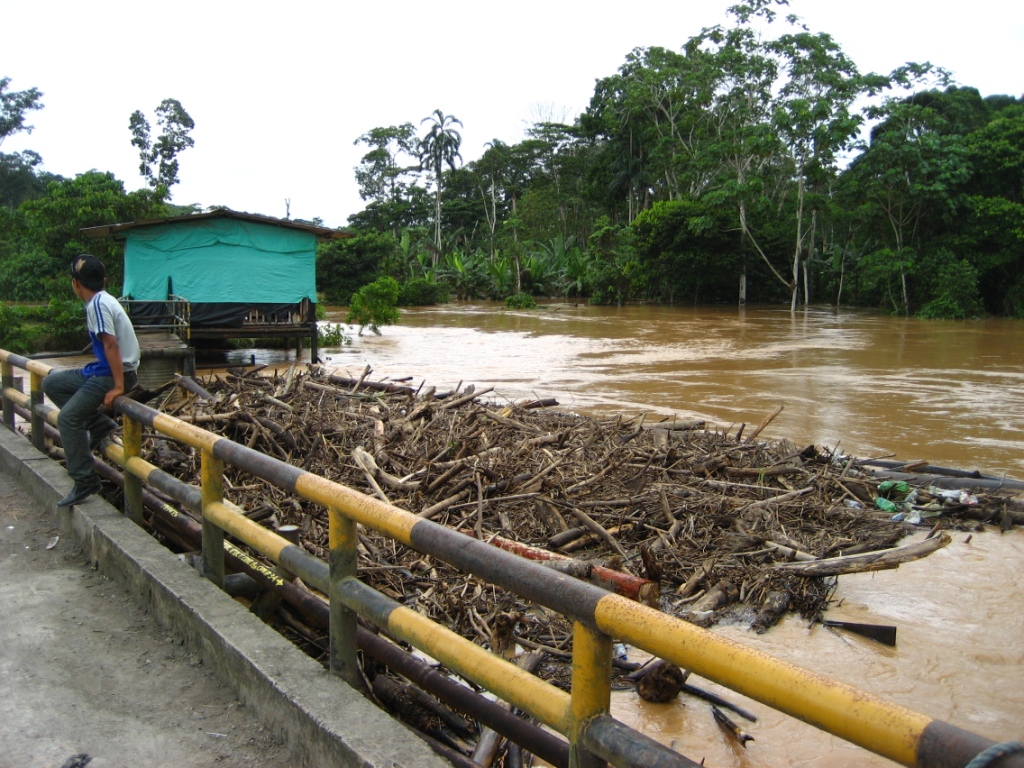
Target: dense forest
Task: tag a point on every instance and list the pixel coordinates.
(744, 166)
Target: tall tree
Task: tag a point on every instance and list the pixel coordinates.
(438, 148)
(815, 118)
(382, 173)
(910, 176)
(159, 158)
(14, 107)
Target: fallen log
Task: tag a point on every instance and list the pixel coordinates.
(487, 745)
(765, 503)
(723, 593)
(369, 466)
(867, 561)
(967, 483)
(190, 384)
(599, 529)
(692, 584)
(881, 633)
(625, 584)
(588, 537)
(775, 604)
(767, 420)
(718, 701)
(727, 725)
(911, 467)
(676, 425)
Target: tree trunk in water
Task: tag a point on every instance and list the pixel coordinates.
(810, 253)
(798, 250)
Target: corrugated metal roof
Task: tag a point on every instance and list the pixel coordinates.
(107, 230)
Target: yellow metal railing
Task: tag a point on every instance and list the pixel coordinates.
(887, 729)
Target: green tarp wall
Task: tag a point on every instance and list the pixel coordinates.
(220, 260)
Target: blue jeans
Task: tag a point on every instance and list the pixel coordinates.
(79, 399)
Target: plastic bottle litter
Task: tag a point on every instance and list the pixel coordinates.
(968, 499)
(899, 486)
(885, 505)
(852, 504)
(943, 493)
(620, 651)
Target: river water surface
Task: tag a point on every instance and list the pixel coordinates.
(948, 392)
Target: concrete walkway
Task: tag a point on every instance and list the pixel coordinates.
(113, 648)
(84, 670)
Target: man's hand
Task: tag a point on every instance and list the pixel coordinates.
(108, 399)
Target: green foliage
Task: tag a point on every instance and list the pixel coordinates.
(51, 223)
(21, 179)
(688, 251)
(520, 301)
(465, 275)
(159, 157)
(420, 292)
(953, 290)
(1014, 306)
(343, 266)
(332, 335)
(615, 270)
(64, 324)
(13, 335)
(14, 108)
(23, 279)
(385, 176)
(728, 157)
(375, 305)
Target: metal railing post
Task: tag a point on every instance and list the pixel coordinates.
(36, 398)
(212, 474)
(343, 538)
(591, 689)
(132, 439)
(7, 379)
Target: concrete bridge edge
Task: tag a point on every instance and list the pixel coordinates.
(323, 720)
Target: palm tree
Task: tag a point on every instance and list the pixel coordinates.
(438, 148)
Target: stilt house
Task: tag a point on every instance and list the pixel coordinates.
(222, 274)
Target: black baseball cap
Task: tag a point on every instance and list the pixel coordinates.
(89, 271)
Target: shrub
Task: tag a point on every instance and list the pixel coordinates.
(375, 305)
(954, 290)
(520, 301)
(332, 335)
(420, 292)
(13, 336)
(64, 324)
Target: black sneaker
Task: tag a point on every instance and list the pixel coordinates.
(80, 493)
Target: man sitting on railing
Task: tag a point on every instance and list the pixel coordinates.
(80, 392)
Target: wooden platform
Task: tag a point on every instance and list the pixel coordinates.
(163, 355)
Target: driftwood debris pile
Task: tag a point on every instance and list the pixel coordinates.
(700, 523)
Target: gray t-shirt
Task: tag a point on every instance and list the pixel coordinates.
(104, 314)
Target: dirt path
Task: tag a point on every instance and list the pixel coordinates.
(83, 670)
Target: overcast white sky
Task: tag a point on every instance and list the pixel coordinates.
(280, 91)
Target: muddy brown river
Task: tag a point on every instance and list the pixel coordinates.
(948, 392)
